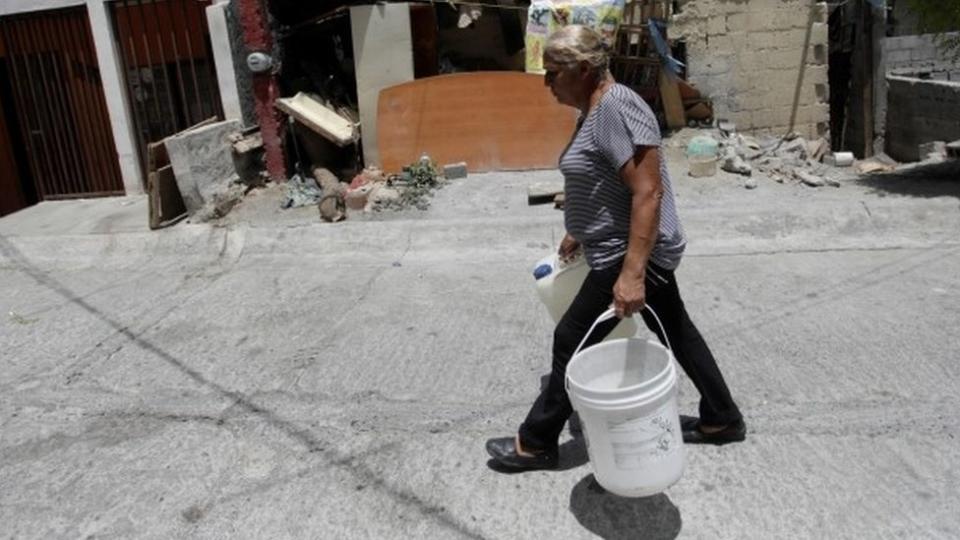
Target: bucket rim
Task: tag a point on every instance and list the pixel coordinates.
(650, 386)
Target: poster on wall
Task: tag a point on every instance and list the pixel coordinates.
(547, 16)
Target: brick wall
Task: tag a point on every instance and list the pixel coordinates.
(748, 55)
(920, 111)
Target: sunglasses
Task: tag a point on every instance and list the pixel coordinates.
(551, 74)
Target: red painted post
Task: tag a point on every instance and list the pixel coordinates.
(257, 37)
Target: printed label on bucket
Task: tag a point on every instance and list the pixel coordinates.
(639, 441)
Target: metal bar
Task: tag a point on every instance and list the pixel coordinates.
(187, 119)
(133, 47)
(166, 74)
(65, 125)
(75, 87)
(90, 194)
(102, 117)
(193, 67)
(76, 39)
(103, 148)
(46, 131)
(33, 156)
(153, 76)
(30, 120)
(140, 118)
(53, 120)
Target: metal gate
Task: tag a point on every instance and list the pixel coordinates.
(59, 103)
(168, 62)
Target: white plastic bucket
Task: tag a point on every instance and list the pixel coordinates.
(625, 392)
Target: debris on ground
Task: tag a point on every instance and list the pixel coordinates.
(809, 179)
(312, 113)
(299, 192)
(413, 187)
(20, 319)
(734, 163)
(544, 192)
(873, 165)
(201, 158)
(932, 151)
(702, 155)
(839, 159)
(953, 150)
(248, 156)
(332, 207)
(455, 171)
(783, 159)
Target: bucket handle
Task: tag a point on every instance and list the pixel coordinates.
(611, 313)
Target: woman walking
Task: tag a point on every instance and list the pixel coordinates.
(619, 207)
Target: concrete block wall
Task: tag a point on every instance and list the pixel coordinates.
(919, 53)
(763, 62)
(920, 111)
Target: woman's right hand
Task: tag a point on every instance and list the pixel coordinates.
(569, 247)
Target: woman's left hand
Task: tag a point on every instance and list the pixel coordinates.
(629, 295)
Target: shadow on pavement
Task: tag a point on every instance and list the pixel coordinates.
(613, 518)
(932, 180)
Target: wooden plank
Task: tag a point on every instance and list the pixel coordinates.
(672, 102)
(490, 120)
(156, 156)
(166, 205)
(544, 192)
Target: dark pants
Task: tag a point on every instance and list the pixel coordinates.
(541, 430)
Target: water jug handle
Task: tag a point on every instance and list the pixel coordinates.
(611, 313)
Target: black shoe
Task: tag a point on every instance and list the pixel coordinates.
(690, 426)
(504, 452)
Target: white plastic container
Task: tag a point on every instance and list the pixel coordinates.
(625, 392)
(558, 283)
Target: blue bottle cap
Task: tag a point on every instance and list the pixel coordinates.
(542, 271)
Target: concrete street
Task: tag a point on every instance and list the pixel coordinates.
(278, 377)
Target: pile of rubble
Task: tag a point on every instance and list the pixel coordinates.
(789, 159)
(372, 190)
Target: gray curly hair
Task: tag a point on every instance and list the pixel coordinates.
(573, 44)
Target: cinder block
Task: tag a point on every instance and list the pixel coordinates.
(819, 54)
(717, 65)
(722, 44)
(783, 59)
(822, 13)
(778, 116)
(898, 57)
(821, 91)
(716, 26)
(953, 150)
(926, 52)
(739, 22)
(453, 171)
(820, 33)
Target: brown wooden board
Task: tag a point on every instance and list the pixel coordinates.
(672, 102)
(491, 120)
(156, 156)
(166, 204)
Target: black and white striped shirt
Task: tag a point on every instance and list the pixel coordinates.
(597, 203)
